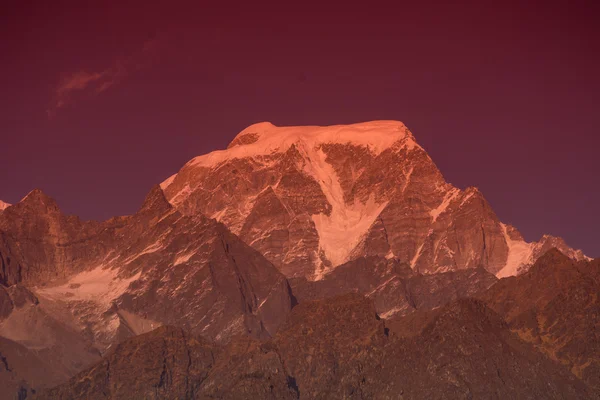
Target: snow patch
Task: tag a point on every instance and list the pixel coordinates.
(519, 253)
(235, 326)
(450, 195)
(183, 258)
(413, 262)
(407, 176)
(466, 198)
(390, 313)
(218, 216)
(100, 285)
(153, 248)
(340, 231)
(381, 286)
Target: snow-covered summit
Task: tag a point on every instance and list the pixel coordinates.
(311, 198)
(264, 138)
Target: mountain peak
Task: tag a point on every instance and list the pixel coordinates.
(344, 191)
(251, 134)
(4, 205)
(37, 198)
(552, 260)
(35, 194)
(554, 256)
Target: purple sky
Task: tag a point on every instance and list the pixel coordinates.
(99, 104)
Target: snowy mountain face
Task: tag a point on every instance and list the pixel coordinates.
(313, 198)
(3, 205)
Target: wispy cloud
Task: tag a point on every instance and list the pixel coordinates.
(85, 83)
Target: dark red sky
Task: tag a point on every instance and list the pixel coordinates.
(100, 103)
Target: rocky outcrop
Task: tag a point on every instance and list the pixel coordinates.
(6, 304)
(23, 372)
(14, 297)
(163, 364)
(43, 340)
(467, 351)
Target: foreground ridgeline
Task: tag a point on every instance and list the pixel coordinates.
(334, 349)
(301, 263)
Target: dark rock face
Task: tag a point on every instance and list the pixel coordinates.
(396, 290)
(6, 304)
(326, 345)
(555, 307)
(169, 364)
(467, 351)
(248, 369)
(163, 364)
(334, 349)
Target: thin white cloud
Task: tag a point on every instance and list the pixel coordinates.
(81, 83)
